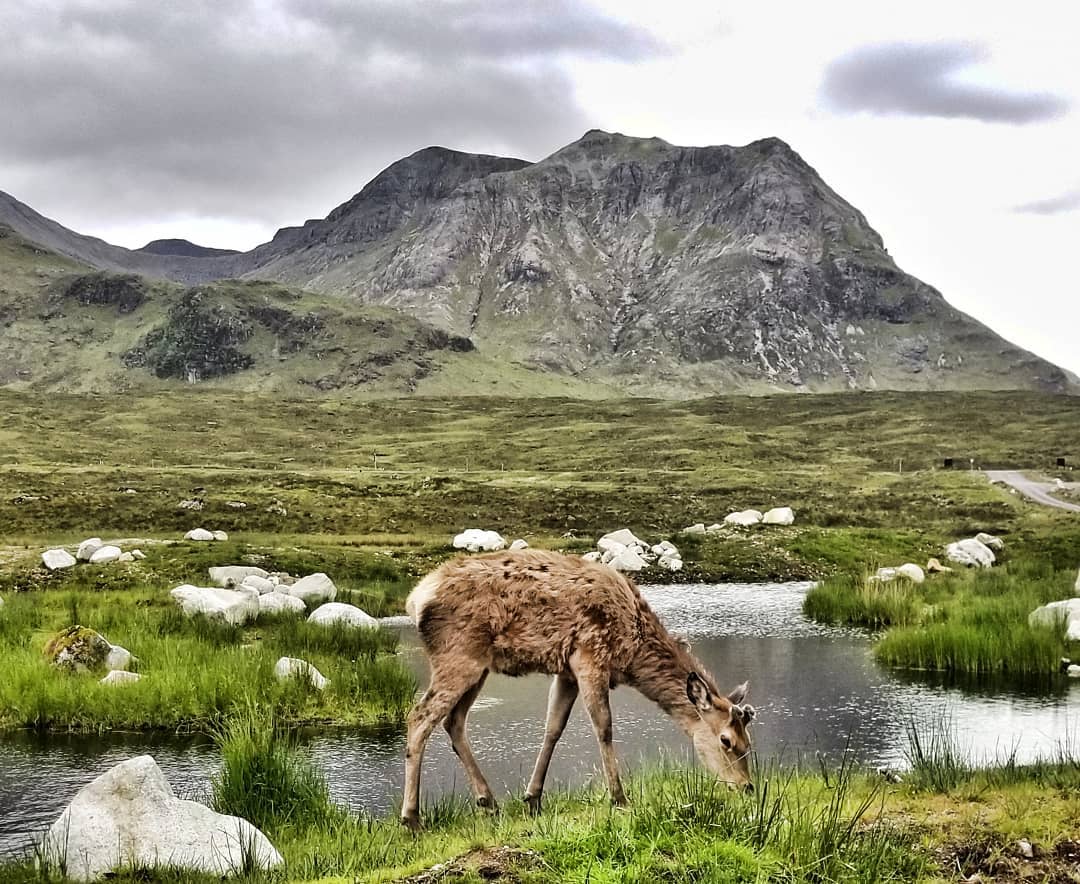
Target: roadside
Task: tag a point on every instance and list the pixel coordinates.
(1037, 491)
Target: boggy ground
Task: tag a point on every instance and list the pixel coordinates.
(862, 472)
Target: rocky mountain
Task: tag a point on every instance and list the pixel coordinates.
(184, 248)
(666, 270)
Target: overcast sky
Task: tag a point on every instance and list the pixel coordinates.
(954, 126)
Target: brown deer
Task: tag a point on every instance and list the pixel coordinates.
(581, 622)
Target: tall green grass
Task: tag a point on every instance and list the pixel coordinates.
(194, 671)
(968, 622)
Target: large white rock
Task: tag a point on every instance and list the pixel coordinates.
(623, 536)
(995, 543)
(779, 515)
(477, 539)
(912, 572)
(220, 535)
(1059, 615)
(106, 554)
(120, 676)
(199, 534)
(627, 560)
(1073, 670)
(118, 658)
(229, 576)
(88, 547)
(138, 554)
(743, 518)
(698, 528)
(292, 667)
(593, 556)
(666, 548)
(314, 589)
(237, 606)
(670, 562)
(273, 603)
(338, 612)
(130, 817)
(262, 584)
(55, 559)
(970, 552)
(519, 544)
(883, 575)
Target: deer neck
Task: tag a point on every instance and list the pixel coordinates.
(660, 671)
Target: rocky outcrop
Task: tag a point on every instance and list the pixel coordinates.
(129, 817)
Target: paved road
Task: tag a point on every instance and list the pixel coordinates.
(1037, 491)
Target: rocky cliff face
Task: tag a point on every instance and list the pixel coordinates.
(668, 270)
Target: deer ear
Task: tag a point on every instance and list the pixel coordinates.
(739, 694)
(698, 692)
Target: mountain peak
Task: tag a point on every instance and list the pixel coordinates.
(183, 248)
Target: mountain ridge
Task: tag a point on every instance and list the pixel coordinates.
(664, 270)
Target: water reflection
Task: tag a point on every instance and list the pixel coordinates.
(816, 689)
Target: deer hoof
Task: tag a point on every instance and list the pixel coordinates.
(487, 802)
(411, 822)
(532, 802)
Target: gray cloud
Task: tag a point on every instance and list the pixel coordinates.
(915, 79)
(1055, 205)
(262, 109)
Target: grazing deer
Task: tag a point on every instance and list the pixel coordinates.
(581, 622)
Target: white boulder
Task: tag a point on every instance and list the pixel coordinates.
(120, 676)
(337, 612)
(713, 528)
(477, 539)
(1073, 670)
(262, 584)
(912, 572)
(628, 559)
(670, 563)
(236, 606)
(220, 535)
(623, 536)
(519, 544)
(138, 554)
(779, 515)
(229, 576)
(56, 559)
(593, 556)
(130, 817)
(314, 589)
(1059, 615)
(291, 667)
(88, 547)
(666, 548)
(273, 603)
(883, 575)
(995, 543)
(118, 658)
(698, 528)
(199, 534)
(126, 557)
(970, 552)
(106, 554)
(743, 518)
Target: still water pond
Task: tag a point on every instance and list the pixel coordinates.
(814, 687)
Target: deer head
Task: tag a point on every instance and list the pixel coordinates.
(722, 736)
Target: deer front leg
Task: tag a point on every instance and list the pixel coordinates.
(455, 727)
(561, 697)
(594, 692)
(446, 690)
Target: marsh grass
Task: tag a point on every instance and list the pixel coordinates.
(195, 672)
(969, 622)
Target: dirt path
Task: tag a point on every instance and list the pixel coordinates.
(1037, 491)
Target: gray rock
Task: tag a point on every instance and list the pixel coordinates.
(519, 544)
(200, 534)
(744, 518)
(1063, 615)
(262, 584)
(780, 515)
(698, 528)
(273, 604)
(130, 816)
(77, 649)
(970, 552)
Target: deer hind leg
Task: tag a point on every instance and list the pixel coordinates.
(561, 697)
(448, 686)
(594, 691)
(455, 727)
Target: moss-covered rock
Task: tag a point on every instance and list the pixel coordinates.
(77, 649)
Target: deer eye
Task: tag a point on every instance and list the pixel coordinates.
(725, 740)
